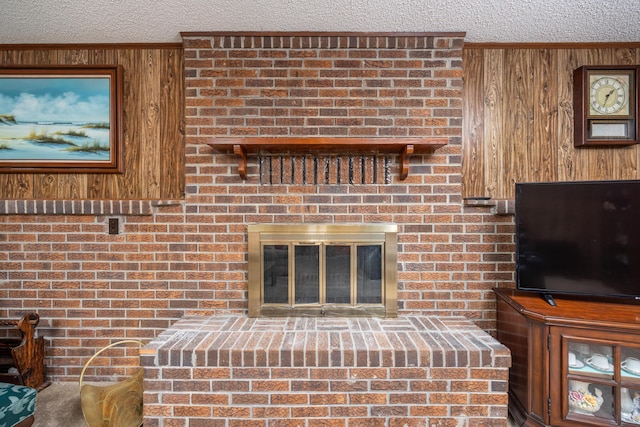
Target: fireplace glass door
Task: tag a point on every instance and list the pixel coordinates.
(307, 274)
(319, 274)
(276, 274)
(337, 284)
(338, 274)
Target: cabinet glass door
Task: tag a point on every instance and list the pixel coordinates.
(630, 377)
(591, 398)
(630, 363)
(630, 405)
(590, 387)
(591, 359)
(602, 382)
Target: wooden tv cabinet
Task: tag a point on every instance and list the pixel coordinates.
(558, 377)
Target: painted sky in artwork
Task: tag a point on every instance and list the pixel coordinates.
(58, 99)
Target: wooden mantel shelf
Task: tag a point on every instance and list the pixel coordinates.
(405, 147)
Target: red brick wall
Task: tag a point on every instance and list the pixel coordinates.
(323, 85)
(450, 254)
(189, 257)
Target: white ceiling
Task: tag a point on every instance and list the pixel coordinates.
(160, 21)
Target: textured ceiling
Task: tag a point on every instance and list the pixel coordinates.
(159, 21)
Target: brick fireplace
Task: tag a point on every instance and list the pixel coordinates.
(435, 364)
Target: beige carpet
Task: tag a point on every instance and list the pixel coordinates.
(59, 406)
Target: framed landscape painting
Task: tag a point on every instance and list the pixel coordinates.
(61, 119)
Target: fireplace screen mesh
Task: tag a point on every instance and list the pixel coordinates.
(320, 270)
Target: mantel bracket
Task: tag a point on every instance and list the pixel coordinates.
(406, 153)
(240, 151)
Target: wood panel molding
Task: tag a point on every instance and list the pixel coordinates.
(557, 45)
(89, 46)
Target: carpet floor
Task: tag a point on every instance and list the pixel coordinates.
(58, 405)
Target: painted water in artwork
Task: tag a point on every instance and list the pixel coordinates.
(51, 119)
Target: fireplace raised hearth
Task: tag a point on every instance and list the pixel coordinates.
(413, 371)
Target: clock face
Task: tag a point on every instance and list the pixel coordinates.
(609, 95)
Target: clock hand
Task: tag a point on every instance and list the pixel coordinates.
(606, 98)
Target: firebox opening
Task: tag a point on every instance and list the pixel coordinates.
(322, 270)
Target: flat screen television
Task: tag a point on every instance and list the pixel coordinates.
(578, 238)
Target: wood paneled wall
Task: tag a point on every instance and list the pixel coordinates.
(518, 118)
(152, 120)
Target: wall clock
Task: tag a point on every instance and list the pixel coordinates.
(605, 100)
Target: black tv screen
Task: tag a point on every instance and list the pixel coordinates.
(580, 238)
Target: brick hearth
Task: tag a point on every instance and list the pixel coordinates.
(409, 371)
